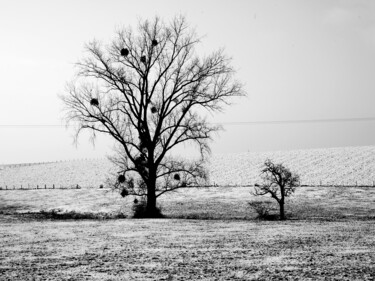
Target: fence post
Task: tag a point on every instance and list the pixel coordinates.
(6, 187)
(45, 186)
(37, 186)
(53, 186)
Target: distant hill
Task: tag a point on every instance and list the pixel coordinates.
(85, 173)
(331, 166)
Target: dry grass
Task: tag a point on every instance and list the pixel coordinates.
(330, 237)
(202, 203)
(170, 249)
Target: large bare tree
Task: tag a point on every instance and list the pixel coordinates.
(146, 90)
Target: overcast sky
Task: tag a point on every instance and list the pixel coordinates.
(299, 60)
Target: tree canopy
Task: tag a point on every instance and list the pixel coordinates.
(146, 90)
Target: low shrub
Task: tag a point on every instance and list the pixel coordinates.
(199, 216)
(263, 209)
(140, 210)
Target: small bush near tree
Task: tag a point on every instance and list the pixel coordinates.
(263, 209)
(279, 182)
(140, 210)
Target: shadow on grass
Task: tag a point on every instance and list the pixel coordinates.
(59, 214)
(11, 209)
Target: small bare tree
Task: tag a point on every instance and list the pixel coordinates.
(279, 182)
(147, 90)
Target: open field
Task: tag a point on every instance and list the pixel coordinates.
(205, 203)
(334, 166)
(170, 249)
(208, 233)
(330, 237)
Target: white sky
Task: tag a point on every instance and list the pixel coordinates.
(299, 60)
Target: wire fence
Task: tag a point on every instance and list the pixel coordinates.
(77, 186)
(34, 187)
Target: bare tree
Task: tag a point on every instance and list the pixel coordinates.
(279, 182)
(146, 90)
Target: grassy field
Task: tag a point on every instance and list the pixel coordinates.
(209, 234)
(204, 203)
(170, 249)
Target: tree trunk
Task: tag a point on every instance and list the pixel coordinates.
(282, 210)
(151, 210)
(282, 202)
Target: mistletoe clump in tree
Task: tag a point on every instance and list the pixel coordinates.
(147, 90)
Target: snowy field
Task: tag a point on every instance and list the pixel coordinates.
(334, 166)
(208, 233)
(171, 249)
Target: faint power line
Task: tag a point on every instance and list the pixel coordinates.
(31, 126)
(303, 121)
(234, 123)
